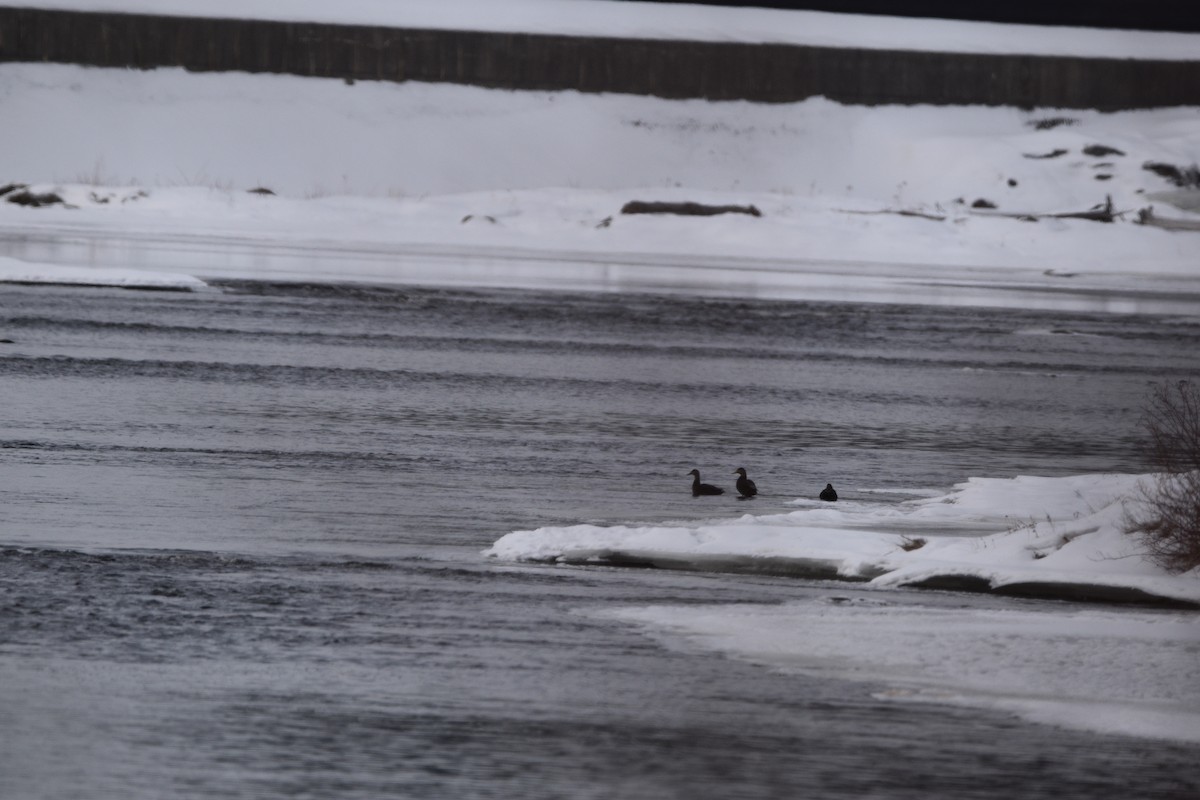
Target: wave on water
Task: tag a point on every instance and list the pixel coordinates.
(1054, 332)
(328, 459)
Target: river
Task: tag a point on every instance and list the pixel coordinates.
(240, 545)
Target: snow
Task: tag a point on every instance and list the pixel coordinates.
(1055, 536)
(679, 21)
(157, 179)
(1109, 669)
(14, 271)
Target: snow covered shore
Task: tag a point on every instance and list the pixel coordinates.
(429, 183)
(577, 239)
(1027, 536)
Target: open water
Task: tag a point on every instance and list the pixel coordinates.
(240, 537)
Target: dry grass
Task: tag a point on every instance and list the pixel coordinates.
(1168, 521)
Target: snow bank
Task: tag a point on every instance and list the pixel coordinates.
(1050, 537)
(25, 272)
(662, 21)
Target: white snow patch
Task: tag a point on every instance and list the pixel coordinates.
(1005, 533)
(15, 271)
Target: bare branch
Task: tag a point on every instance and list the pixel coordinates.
(1169, 521)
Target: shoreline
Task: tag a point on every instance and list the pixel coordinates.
(569, 240)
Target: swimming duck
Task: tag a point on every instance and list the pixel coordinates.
(745, 486)
(699, 488)
(828, 493)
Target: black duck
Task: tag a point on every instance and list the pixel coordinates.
(745, 486)
(699, 488)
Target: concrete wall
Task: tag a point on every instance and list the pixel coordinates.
(674, 69)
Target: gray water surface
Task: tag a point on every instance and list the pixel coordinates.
(241, 534)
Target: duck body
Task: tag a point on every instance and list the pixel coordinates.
(699, 488)
(745, 486)
(828, 494)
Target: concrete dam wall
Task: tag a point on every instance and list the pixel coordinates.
(770, 73)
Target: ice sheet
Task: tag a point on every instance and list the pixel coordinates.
(1128, 672)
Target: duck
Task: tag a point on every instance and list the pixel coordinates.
(745, 486)
(699, 488)
(828, 494)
